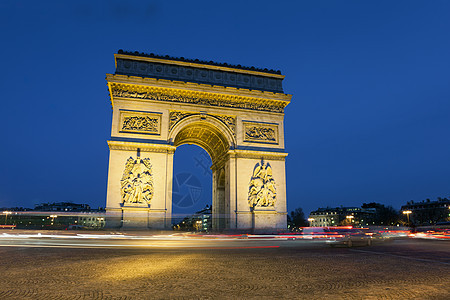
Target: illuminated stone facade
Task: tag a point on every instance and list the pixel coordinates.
(236, 114)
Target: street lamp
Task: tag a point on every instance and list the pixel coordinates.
(407, 213)
(6, 215)
(53, 218)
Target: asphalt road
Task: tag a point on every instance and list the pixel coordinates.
(179, 267)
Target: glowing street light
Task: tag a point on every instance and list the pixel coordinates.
(6, 215)
(407, 213)
(350, 218)
(53, 218)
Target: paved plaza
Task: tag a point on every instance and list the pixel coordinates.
(400, 269)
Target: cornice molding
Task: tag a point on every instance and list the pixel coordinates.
(200, 87)
(248, 154)
(266, 155)
(144, 147)
(169, 91)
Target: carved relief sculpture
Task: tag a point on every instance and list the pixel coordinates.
(137, 182)
(262, 192)
(140, 122)
(230, 121)
(176, 116)
(263, 133)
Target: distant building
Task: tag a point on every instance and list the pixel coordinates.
(355, 216)
(59, 215)
(200, 221)
(427, 212)
(204, 216)
(324, 217)
(62, 206)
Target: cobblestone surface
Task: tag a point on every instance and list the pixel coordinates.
(400, 270)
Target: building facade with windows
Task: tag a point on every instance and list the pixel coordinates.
(427, 212)
(355, 216)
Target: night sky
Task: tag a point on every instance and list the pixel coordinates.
(369, 118)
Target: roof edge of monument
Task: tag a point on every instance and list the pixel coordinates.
(200, 63)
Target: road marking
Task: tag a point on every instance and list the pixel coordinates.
(402, 256)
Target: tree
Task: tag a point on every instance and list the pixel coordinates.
(296, 219)
(385, 215)
(388, 215)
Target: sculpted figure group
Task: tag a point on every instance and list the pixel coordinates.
(262, 192)
(137, 181)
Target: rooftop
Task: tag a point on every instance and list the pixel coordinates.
(197, 61)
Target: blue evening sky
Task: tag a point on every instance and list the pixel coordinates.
(369, 118)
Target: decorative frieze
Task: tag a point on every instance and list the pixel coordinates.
(195, 97)
(200, 73)
(260, 132)
(140, 122)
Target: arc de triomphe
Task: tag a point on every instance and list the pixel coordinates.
(235, 113)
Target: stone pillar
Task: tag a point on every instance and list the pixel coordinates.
(220, 208)
(168, 197)
(215, 207)
(155, 214)
(263, 217)
(230, 190)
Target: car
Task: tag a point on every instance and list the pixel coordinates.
(314, 233)
(348, 237)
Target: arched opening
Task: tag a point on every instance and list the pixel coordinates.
(191, 189)
(206, 136)
(213, 139)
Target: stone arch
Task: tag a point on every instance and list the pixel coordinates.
(205, 131)
(216, 139)
(236, 114)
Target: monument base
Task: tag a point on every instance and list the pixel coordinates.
(135, 218)
(264, 219)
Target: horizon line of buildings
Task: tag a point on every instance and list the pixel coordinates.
(56, 215)
(423, 213)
